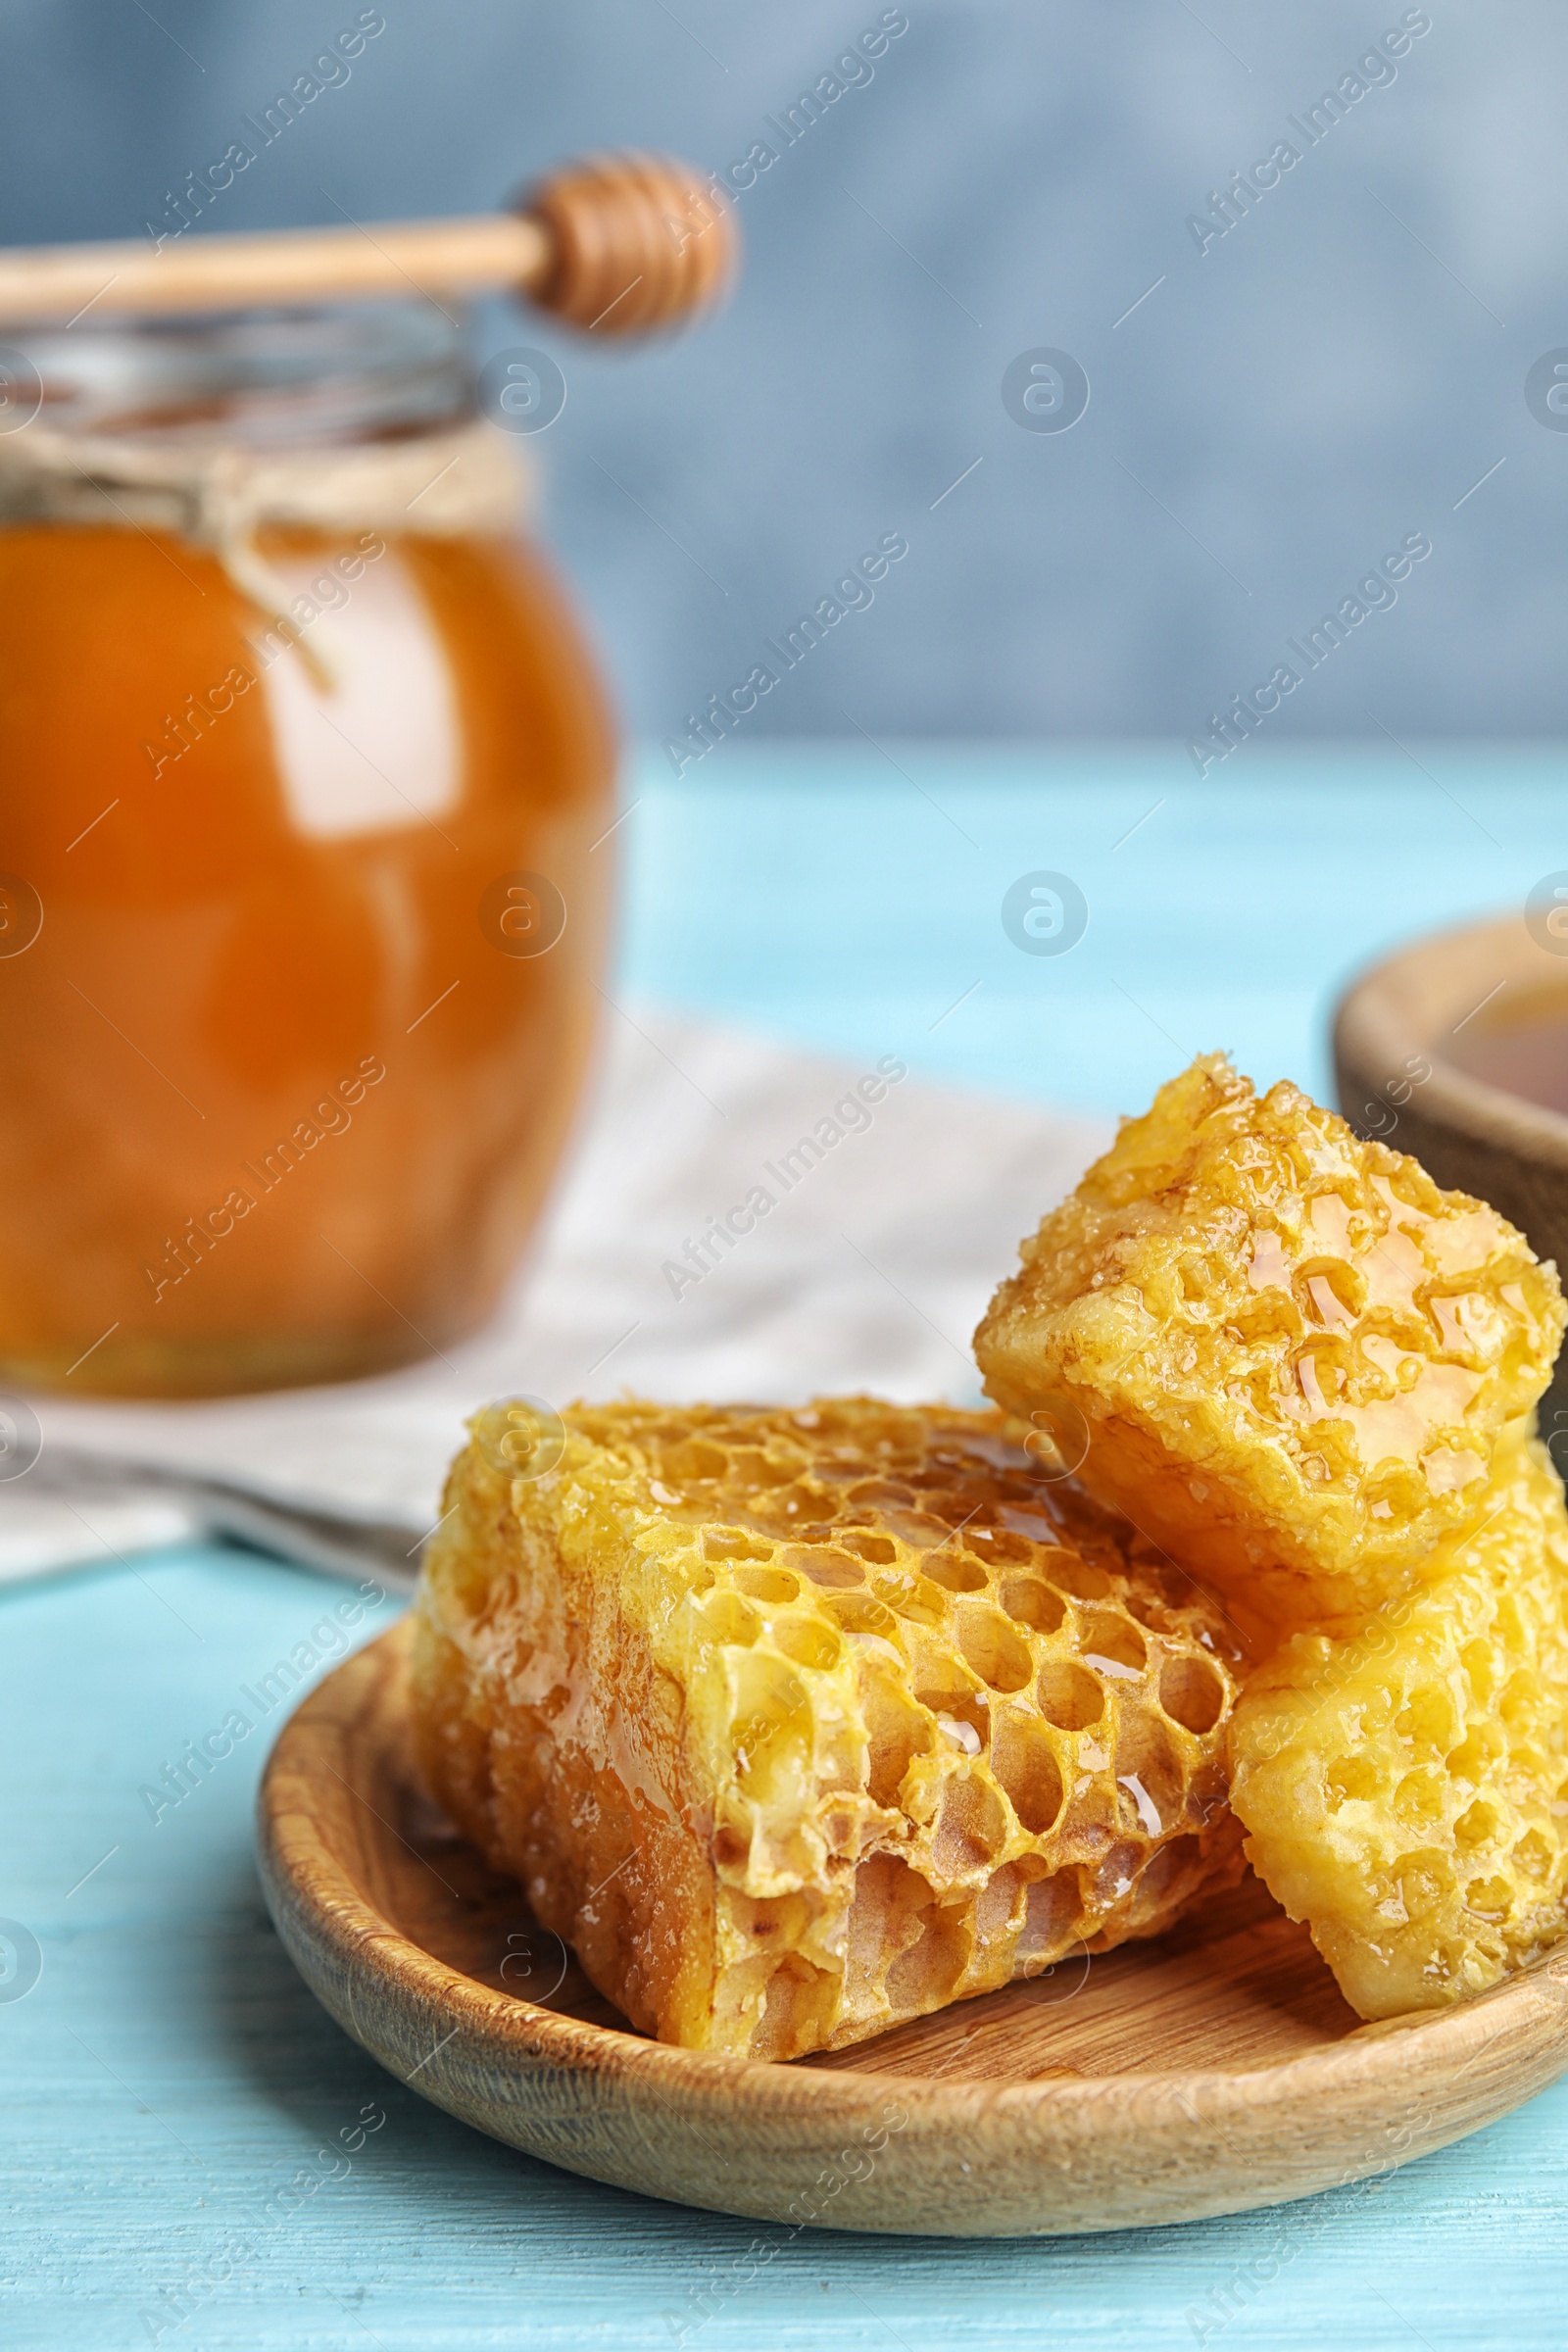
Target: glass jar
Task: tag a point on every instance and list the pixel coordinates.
(302, 767)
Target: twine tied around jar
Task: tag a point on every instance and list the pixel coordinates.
(218, 495)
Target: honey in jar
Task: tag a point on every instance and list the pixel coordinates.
(303, 774)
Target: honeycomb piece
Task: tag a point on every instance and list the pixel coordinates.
(798, 1724)
(1406, 1789)
(1294, 1356)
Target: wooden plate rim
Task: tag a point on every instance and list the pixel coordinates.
(1396, 1006)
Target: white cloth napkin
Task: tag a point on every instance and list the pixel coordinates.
(895, 1207)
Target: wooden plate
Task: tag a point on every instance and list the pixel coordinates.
(1210, 2072)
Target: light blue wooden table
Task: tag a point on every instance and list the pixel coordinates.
(167, 2075)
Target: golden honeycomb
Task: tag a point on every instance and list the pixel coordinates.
(1293, 1356)
(1405, 1788)
(798, 1723)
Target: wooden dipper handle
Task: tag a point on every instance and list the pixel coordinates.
(615, 245)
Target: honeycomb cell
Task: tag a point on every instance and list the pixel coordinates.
(971, 1828)
(808, 1641)
(838, 1570)
(930, 1973)
(779, 1775)
(1354, 1776)
(1479, 1825)
(1467, 1763)
(1052, 1908)
(999, 1546)
(1151, 1771)
(896, 1730)
(925, 1604)
(1192, 1692)
(1295, 1357)
(1025, 1762)
(773, 1584)
(798, 2001)
(693, 1460)
(861, 1613)
(1070, 1695)
(1533, 1856)
(877, 1491)
(998, 1654)
(1112, 1641)
(1117, 1874)
(730, 1618)
(1168, 1867)
(731, 1544)
(998, 1908)
(1079, 1577)
(957, 1573)
(1481, 1671)
(889, 1907)
(957, 1709)
(1030, 1601)
(1415, 1829)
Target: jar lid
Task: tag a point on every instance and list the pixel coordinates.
(349, 419)
(264, 380)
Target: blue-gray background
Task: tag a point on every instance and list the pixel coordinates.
(1334, 373)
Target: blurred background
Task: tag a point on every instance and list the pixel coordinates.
(1129, 434)
(1271, 409)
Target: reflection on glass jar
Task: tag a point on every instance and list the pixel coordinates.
(283, 705)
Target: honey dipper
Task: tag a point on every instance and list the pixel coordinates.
(613, 244)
